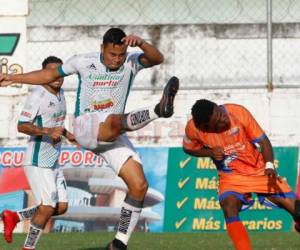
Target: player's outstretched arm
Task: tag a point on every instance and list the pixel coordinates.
(39, 77)
(29, 129)
(152, 56)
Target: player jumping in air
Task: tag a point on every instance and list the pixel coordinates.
(105, 79)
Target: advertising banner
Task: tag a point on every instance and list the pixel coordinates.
(95, 193)
(191, 195)
(182, 195)
(13, 41)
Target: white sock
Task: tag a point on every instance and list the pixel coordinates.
(33, 236)
(139, 118)
(27, 213)
(130, 214)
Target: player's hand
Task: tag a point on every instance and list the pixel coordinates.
(272, 179)
(133, 41)
(4, 80)
(71, 138)
(271, 173)
(218, 153)
(55, 134)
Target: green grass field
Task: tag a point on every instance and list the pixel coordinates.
(151, 241)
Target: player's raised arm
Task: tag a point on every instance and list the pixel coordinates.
(39, 77)
(152, 56)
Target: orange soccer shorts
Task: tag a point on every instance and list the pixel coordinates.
(242, 186)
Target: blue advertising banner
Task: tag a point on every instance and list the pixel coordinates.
(182, 193)
(95, 193)
(12, 201)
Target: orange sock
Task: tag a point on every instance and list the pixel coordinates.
(238, 234)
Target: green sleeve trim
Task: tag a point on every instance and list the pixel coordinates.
(60, 71)
(139, 61)
(37, 145)
(21, 122)
(129, 87)
(77, 104)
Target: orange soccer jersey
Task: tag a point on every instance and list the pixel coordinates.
(241, 155)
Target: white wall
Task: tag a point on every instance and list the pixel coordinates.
(201, 56)
(277, 112)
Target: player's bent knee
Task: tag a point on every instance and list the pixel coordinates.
(46, 210)
(62, 208)
(139, 187)
(111, 129)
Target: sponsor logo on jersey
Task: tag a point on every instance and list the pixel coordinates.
(51, 104)
(60, 119)
(59, 116)
(105, 83)
(92, 66)
(105, 80)
(234, 131)
(234, 148)
(26, 114)
(105, 104)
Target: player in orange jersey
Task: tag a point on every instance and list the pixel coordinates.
(244, 159)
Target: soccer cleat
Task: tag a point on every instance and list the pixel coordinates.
(10, 220)
(165, 107)
(116, 245)
(24, 248)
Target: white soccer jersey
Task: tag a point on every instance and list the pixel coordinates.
(99, 88)
(43, 109)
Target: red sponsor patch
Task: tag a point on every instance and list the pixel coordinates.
(26, 114)
(59, 119)
(110, 83)
(102, 106)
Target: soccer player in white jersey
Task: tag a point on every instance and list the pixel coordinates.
(105, 79)
(43, 119)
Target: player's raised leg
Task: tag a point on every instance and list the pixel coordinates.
(115, 125)
(97, 129)
(291, 205)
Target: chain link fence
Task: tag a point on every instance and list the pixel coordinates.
(206, 43)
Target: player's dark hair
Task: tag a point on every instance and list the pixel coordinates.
(51, 59)
(114, 36)
(202, 110)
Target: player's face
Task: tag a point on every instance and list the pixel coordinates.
(57, 84)
(219, 121)
(114, 55)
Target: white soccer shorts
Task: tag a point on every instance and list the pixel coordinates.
(115, 153)
(47, 184)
